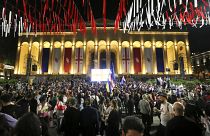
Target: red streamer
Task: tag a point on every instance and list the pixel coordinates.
(104, 14)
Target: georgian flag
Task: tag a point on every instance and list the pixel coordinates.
(125, 60)
(78, 60)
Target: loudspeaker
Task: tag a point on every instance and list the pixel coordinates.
(176, 66)
(34, 67)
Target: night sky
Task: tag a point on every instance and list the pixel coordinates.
(199, 39)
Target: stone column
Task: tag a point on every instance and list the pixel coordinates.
(17, 58)
(29, 60)
(177, 59)
(143, 59)
(165, 57)
(131, 60)
(50, 68)
(84, 59)
(96, 60)
(62, 59)
(188, 60)
(108, 57)
(154, 59)
(120, 58)
(73, 58)
(40, 59)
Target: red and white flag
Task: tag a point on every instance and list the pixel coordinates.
(125, 60)
(78, 60)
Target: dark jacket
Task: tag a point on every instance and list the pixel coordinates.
(181, 126)
(70, 123)
(89, 121)
(10, 110)
(113, 121)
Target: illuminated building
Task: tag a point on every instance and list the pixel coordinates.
(145, 52)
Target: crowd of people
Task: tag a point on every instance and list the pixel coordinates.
(75, 106)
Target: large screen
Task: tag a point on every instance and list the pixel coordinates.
(100, 74)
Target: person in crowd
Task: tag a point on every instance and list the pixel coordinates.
(9, 107)
(89, 119)
(60, 107)
(172, 98)
(5, 128)
(43, 113)
(207, 119)
(92, 96)
(33, 103)
(193, 112)
(108, 109)
(28, 125)
(132, 126)
(150, 99)
(102, 109)
(8, 119)
(136, 103)
(130, 105)
(180, 125)
(166, 113)
(71, 120)
(7, 86)
(23, 105)
(114, 120)
(145, 111)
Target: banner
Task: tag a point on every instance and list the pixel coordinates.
(56, 60)
(137, 60)
(45, 59)
(160, 60)
(148, 60)
(103, 60)
(67, 60)
(79, 60)
(125, 60)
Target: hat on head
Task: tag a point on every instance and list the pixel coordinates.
(162, 94)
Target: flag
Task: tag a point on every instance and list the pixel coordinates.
(160, 59)
(125, 60)
(79, 60)
(107, 87)
(67, 60)
(122, 80)
(57, 60)
(112, 72)
(148, 60)
(112, 78)
(45, 59)
(137, 60)
(110, 83)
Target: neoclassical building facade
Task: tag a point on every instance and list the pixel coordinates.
(145, 52)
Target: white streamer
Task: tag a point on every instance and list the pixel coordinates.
(180, 2)
(186, 5)
(195, 3)
(169, 3)
(152, 7)
(140, 4)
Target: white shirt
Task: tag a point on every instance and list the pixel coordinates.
(166, 111)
